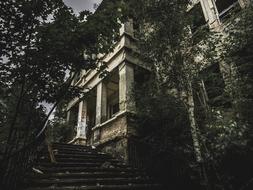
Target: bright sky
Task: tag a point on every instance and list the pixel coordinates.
(80, 5)
(77, 6)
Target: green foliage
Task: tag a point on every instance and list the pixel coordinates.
(159, 118)
(42, 51)
(242, 39)
(228, 133)
(224, 123)
(41, 43)
(59, 130)
(164, 126)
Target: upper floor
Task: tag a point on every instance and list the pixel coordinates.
(214, 13)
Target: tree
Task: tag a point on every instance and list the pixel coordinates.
(38, 52)
(59, 130)
(229, 134)
(168, 47)
(41, 42)
(165, 44)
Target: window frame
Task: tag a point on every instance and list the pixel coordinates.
(226, 12)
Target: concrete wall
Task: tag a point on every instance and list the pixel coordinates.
(113, 136)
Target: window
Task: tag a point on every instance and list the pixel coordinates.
(113, 109)
(113, 105)
(77, 77)
(225, 7)
(213, 85)
(197, 17)
(112, 95)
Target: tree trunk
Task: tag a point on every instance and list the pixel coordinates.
(195, 137)
(193, 125)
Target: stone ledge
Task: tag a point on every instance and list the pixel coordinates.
(120, 114)
(112, 140)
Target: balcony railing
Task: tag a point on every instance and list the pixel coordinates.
(226, 12)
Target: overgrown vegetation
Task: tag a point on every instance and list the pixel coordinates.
(172, 106)
(41, 43)
(59, 130)
(208, 140)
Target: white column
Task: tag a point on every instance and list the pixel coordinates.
(68, 116)
(210, 12)
(126, 83)
(79, 119)
(101, 103)
(84, 111)
(81, 124)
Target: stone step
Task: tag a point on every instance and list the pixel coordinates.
(75, 151)
(71, 145)
(74, 148)
(81, 164)
(104, 187)
(79, 153)
(84, 169)
(83, 175)
(68, 164)
(57, 150)
(90, 181)
(83, 156)
(81, 160)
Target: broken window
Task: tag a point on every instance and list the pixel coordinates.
(113, 109)
(77, 77)
(225, 7)
(212, 85)
(197, 17)
(112, 95)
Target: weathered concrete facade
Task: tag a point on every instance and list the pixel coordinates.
(109, 104)
(215, 10)
(216, 16)
(104, 116)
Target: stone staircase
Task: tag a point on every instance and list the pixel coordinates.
(84, 168)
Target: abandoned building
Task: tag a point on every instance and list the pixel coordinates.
(104, 118)
(101, 151)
